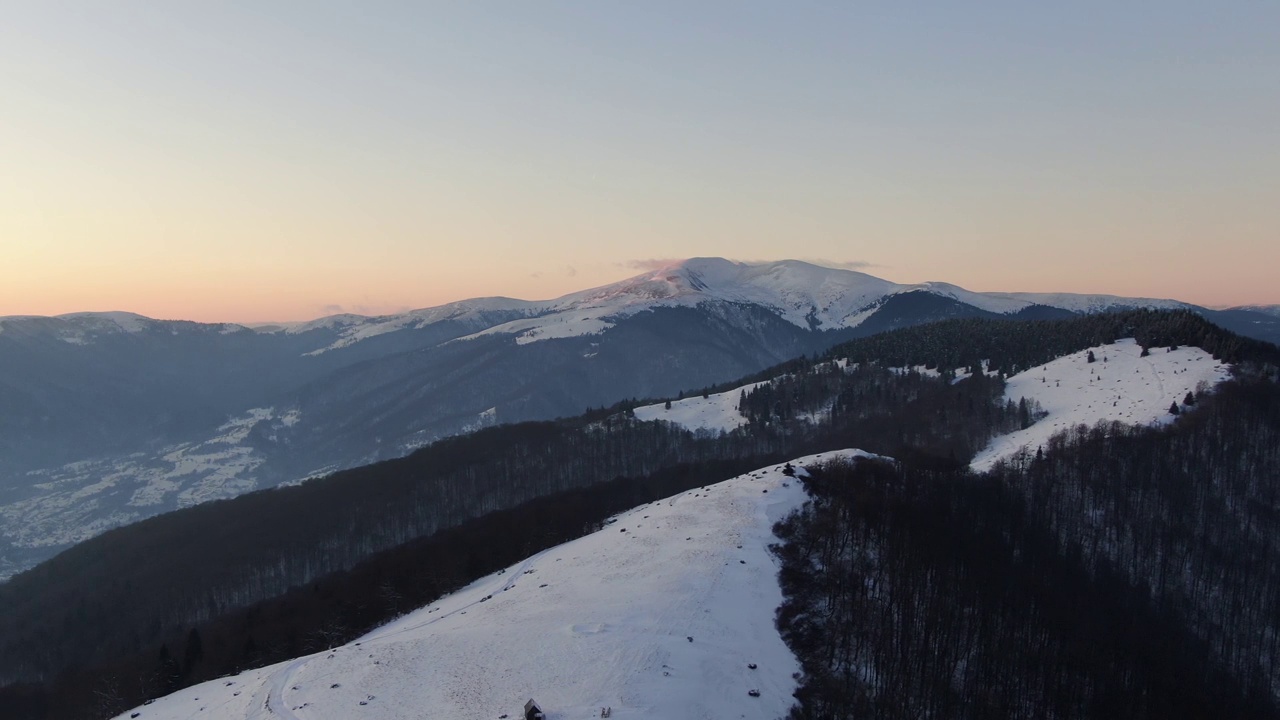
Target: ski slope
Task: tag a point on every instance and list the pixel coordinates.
(658, 615)
(1121, 385)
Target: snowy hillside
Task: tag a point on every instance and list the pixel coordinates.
(1121, 385)
(665, 613)
(805, 295)
(477, 313)
(715, 413)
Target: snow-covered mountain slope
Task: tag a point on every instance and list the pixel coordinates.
(477, 313)
(668, 612)
(807, 295)
(1120, 385)
(716, 413)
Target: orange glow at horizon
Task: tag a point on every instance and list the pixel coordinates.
(220, 163)
(255, 297)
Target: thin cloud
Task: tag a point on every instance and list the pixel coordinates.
(367, 310)
(648, 264)
(652, 264)
(845, 264)
(822, 262)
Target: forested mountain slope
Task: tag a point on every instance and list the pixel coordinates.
(1122, 572)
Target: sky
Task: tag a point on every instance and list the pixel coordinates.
(255, 162)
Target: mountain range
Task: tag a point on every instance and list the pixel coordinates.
(107, 418)
(1167, 420)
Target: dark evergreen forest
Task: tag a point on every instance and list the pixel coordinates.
(192, 595)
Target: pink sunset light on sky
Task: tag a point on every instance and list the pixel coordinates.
(256, 163)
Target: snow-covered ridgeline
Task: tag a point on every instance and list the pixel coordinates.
(80, 328)
(1265, 309)
(478, 312)
(658, 615)
(801, 293)
(1076, 302)
(1120, 385)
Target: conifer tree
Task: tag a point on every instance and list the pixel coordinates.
(194, 652)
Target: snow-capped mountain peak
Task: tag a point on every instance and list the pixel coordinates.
(806, 295)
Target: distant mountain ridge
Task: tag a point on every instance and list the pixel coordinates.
(1265, 309)
(106, 418)
(807, 295)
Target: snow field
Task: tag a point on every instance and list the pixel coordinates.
(715, 413)
(605, 620)
(1121, 385)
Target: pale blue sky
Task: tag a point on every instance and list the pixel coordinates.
(271, 160)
